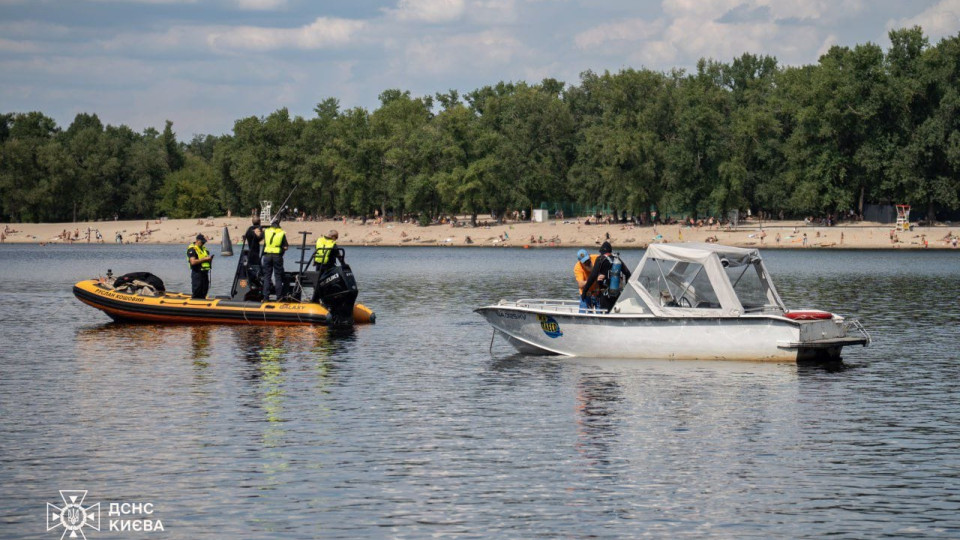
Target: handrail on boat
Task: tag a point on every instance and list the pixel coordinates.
(549, 304)
(858, 326)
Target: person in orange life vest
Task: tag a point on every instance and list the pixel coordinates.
(581, 271)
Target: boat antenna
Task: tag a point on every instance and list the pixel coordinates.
(284, 205)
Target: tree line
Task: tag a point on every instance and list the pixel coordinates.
(860, 126)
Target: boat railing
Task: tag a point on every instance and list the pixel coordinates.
(548, 304)
(858, 326)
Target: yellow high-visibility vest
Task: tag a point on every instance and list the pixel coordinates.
(201, 253)
(273, 241)
(324, 249)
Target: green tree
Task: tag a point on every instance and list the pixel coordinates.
(191, 192)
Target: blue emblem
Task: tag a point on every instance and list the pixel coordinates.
(550, 326)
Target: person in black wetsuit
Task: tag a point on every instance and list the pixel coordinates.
(601, 273)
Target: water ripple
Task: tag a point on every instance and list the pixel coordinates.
(417, 427)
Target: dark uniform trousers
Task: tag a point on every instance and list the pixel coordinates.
(200, 281)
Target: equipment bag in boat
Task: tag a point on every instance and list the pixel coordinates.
(127, 281)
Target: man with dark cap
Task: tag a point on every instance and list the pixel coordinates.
(200, 263)
(254, 236)
(611, 275)
(274, 246)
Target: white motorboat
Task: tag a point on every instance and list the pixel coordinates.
(684, 301)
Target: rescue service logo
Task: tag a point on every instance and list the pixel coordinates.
(73, 517)
(550, 326)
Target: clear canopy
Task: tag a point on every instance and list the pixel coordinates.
(704, 280)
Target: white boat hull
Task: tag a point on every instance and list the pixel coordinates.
(552, 329)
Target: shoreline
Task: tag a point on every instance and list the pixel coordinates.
(526, 234)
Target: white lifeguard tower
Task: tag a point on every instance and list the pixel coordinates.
(903, 217)
(266, 207)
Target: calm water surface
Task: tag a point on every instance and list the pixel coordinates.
(414, 427)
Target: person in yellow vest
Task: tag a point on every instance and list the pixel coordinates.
(274, 246)
(200, 263)
(324, 259)
(326, 245)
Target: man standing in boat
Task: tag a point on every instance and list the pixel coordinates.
(200, 263)
(581, 272)
(611, 275)
(274, 246)
(254, 236)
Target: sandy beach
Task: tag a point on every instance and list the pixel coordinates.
(553, 233)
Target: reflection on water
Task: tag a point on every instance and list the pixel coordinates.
(413, 427)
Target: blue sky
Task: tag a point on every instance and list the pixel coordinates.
(203, 64)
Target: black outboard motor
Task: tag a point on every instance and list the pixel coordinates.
(336, 289)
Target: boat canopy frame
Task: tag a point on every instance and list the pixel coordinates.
(713, 260)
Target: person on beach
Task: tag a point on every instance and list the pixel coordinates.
(274, 246)
(611, 274)
(581, 272)
(200, 263)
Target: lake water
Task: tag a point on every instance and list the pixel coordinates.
(416, 427)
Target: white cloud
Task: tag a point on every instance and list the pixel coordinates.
(430, 11)
(628, 30)
(19, 47)
(701, 9)
(791, 30)
(825, 46)
(462, 52)
(778, 9)
(698, 38)
(33, 30)
(261, 5)
(147, 1)
(492, 11)
(812, 9)
(322, 33)
(938, 21)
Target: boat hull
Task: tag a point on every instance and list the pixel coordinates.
(181, 309)
(751, 338)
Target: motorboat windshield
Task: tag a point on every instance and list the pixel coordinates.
(703, 280)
